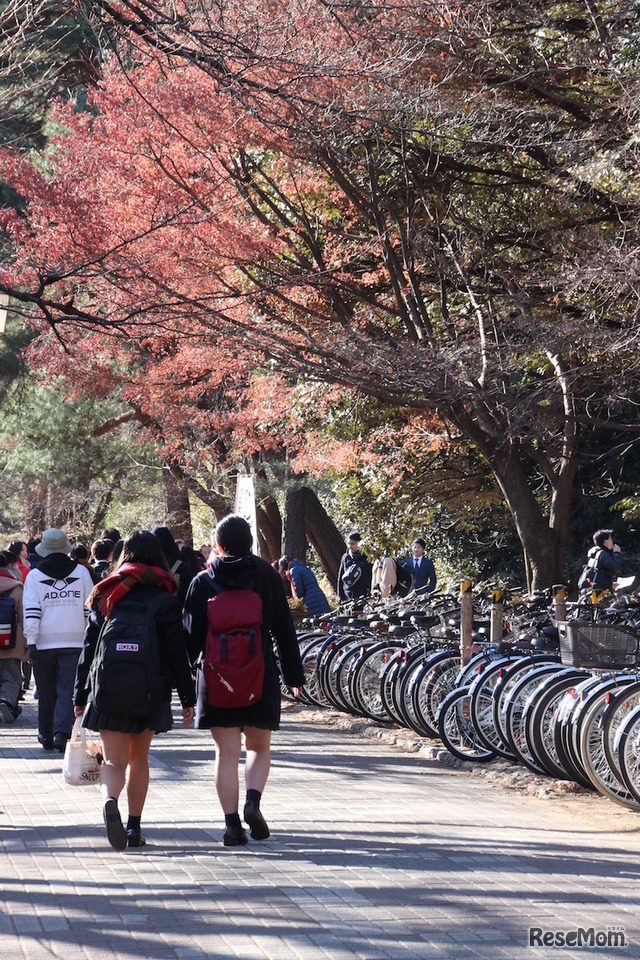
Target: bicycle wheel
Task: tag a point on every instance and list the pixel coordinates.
(456, 729)
(334, 649)
(388, 681)
(431, 685)
(340, 673)
(593, 754)
(539, 720)
(618, 708)
(364, 680)
(507, 683)
(513, 719)
(628, 746)
(406, 678)
(568, 709)
(309, 657)
(481, 691)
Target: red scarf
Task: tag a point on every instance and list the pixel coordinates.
(115, 587)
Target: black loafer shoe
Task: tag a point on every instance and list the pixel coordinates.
(257, 823)
(47, 742)
(60, 742)
(135, 837)
(235, 837)
(116, 833)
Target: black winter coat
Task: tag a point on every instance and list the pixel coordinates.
(246, 573)
(362, 587)
(173, 652)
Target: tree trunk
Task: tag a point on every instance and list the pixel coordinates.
(97, 520)
(542, 543)
(35, 508)
(269, 529)
(323, 535)
(295, 539)
(177, 509)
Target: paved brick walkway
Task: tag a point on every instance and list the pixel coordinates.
(375, 854)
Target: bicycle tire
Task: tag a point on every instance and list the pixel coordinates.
(568, 711)
(456, 729)
(628, 746)
(617, 709)
(538, 717)
(388, 681)
(309, 658)
(431, 685)
(514, 717)
(406, 675)
(481, 691)
(508, 682)
(593, 754)
(365, 681)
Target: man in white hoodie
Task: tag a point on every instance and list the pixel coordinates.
(55, 616)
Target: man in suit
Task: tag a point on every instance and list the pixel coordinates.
(421, 566)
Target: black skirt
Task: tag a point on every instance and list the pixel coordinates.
(265, 714)
(160, 722)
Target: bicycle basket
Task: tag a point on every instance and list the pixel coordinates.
(597, 646)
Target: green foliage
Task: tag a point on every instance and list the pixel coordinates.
(46, 51)
(58, 469)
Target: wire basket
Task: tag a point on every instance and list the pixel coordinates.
(597, 646)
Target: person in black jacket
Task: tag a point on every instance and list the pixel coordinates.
(603, 560)
(141, 576)
(234, 567)
(354, 560)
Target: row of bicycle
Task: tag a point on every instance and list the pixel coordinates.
(565, 703)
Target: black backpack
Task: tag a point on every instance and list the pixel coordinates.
(126, 676)
(405, 580)
(8, 622)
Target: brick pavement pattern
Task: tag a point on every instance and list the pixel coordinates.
(374, 854)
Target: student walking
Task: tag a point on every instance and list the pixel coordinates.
(137, 597)
(234, 568)
(55, 616)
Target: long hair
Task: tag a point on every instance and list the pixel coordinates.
(168, 544)
(15, 547)
(142, 546)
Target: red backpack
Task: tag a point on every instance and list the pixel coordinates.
(233, 657)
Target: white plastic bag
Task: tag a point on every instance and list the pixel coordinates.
(82, 757)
